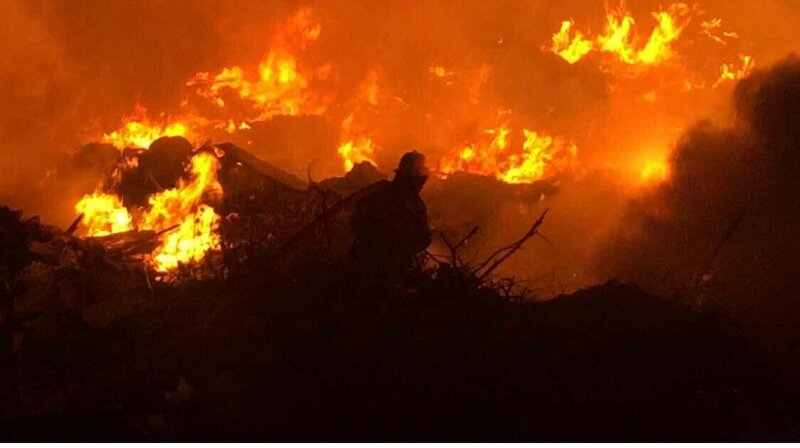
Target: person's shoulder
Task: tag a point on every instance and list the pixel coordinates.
(374, 192)
(380, 187)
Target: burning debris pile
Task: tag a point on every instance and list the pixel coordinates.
(279, 339)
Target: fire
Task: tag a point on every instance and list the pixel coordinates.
(670, 26)
(356, 151)
(196, 235)
(728, 72)
(138, 131)
(541, 156)
(278, 86)
(479, 158)
(103, 214)
(571, 49)
(190, 224)
(619, 37)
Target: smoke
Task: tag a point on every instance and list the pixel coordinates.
(725, 227)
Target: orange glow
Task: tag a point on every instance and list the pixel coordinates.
(439, 71)
(103, 214)
(654, 171)
(369, 91)
(138, 131)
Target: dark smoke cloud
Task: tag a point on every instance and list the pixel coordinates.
(749, 169)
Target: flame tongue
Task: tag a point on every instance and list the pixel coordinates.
(540, 156)
(103, 214)
(182, 206)
(620, 40)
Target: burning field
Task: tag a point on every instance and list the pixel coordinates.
(225, 226)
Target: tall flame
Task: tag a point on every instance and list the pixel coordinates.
(183, 206)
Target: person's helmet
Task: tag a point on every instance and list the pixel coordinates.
(412, 164)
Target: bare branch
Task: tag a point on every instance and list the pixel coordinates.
(509, 250)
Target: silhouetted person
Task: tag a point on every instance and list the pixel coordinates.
(391, 224)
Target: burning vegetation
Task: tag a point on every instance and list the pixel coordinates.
(268, 215)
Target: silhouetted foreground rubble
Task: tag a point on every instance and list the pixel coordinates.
(89, 353)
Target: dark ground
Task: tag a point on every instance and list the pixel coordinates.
(316, 357)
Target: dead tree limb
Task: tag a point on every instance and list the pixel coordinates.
(74, 226)
(455, 260)
(718, 249)
(453, 253)
(501, 255)
(466, 238)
